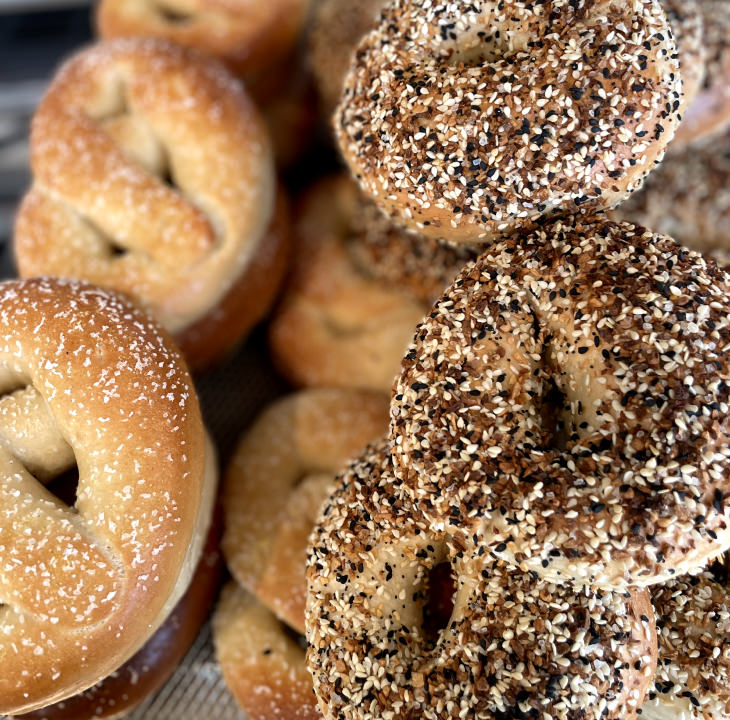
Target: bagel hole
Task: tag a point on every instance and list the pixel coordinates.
(553, 416)
(173, 15)
(720, 570)
(438, 601)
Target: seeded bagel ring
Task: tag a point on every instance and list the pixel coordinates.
(468, 121)
(693, 671)
(568, 397)
(513, 646)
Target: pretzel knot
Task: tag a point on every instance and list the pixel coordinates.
(86, 381)
(152, 176)
(246, 34)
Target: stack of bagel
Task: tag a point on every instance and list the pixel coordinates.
(498, 487)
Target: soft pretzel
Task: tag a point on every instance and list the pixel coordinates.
(152, 176)
(279, 477)
(84, 585)
(468, 122)
(709, 113)
(568, 397)
(687, 197)
(118, 694)
(262, 664)
(514, 646)
(248, 35)
(693, 673)
(358, 288)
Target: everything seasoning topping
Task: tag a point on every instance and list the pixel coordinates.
(513, 645)
(469, 121)
(577, 371)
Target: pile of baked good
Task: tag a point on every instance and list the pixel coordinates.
(535, 519)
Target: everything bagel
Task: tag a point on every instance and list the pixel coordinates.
(568, 397)
(470, 121)
(512, 647)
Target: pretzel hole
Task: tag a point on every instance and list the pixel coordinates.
(110, 244)
(65, 487)
(173, 15)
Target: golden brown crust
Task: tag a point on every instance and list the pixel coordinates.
(121, 397)
(567, 397)
(252, 295)
(247, 35)
(117, 120)
(352, 303)
(513, 646)
(709, 113)
(261, 663)
(470, 123)
(150, 668)
(279, 476)
(687, 197)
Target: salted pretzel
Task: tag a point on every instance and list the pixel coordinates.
(153, 176)
(84, 583)
(358, 287)
(147, 671)
(567, 399)
(513, 646)
(245, 34)
(261, 660)
(279, 477)
(469, 122)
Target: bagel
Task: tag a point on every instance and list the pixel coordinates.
(693, 673)
(514, 646)
(567, 400)
(687, 24)
(471, 122)
(279, 476)
(153, 176)
(85, 583)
